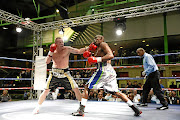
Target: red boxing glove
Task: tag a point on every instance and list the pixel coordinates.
(93, 60)
(53, 47)
(86, 54)
(92, 47)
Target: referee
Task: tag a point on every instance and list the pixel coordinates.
(152, 76)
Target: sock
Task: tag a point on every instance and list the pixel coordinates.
(83, 101)
(38, 106)
(129, 102)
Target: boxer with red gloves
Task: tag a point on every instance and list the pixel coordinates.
(59, 75)
(105, 75)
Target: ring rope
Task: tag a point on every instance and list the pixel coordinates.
(115, 58)
(23, 88)
(122, 78)
(115, 67)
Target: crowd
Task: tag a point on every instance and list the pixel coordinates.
(133, 95)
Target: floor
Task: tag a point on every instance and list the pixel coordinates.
(62, 109)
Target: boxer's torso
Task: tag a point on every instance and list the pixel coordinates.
(61, 58)
(100, 52)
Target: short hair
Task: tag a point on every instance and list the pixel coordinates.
(57, 38)
(140, 49)
(102, 37)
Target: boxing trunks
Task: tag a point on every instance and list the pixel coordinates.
(105, 76)
(60, 78)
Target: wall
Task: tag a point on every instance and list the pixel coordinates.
(144, 27)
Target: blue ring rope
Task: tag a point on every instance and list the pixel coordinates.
(115, 58)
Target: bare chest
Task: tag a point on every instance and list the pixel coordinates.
(60, 55)
(99, 52)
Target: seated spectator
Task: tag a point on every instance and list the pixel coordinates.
(129, 85)
(108, 96)
(173, 99)
(49, 96)
(137, 97)
(131, 96)
(100, 97)
(60, 96)
(5, 97)
(154, 99)
(140, 85)
(173, 85)
(91, 96)
(67, 94)
(72, 95)
(136, 85)
(25, 95)
(95, 95)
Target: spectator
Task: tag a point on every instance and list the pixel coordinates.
(25, 95)
(154, 99)
(95, 96)
(91, 96)
(77, 75)
(60, 96)
(129, 85)
(137, 97)
(173, 99)
(136, 85)
(100, 97)
(108, 96)
(5, 97)
(131, 96)
(67, 94)
(172, 85)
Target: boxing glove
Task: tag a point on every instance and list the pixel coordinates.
(93, 60)
(92, 47)
(86, 54)
(52, 49)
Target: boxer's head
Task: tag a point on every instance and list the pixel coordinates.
(98, 39)
(59, 42)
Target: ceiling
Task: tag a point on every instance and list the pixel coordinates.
(68, 9)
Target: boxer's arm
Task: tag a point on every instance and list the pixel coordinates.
(76, 51)
(48, 59)
(107, 50)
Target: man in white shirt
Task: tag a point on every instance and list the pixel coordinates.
(137, 97)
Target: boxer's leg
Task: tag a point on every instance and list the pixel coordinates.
(41, 100)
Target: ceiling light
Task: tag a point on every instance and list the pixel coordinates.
(143, 41)
(57, 10)
(5, 28)
(121, 47)
(24, 52)
(119, 32)
(115, 44)
(147, 45)
(18, 29)
(61, 31)
(120, 25)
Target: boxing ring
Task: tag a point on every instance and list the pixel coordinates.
(62, 109)
(105, 110)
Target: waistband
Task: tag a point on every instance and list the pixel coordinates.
(101, 64)
(58, 70)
